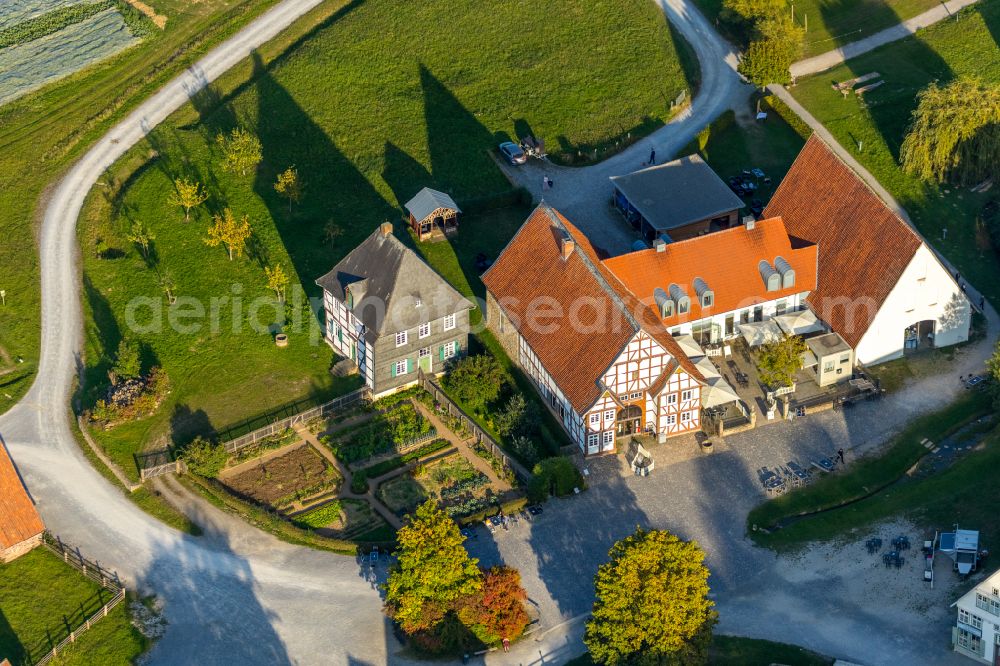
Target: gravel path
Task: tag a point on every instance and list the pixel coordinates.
(825, 61)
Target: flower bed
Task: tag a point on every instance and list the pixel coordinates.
(322, 516)
(393, 430)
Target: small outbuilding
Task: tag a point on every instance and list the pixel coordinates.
(683, 198)
(833, 358)
(432, 213)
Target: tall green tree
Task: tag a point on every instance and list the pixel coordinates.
(779, 361)
(476, 380)
(241, 151)
(776, 44)
(954, 134)
(652, 603)
(751, 10)
(433, 570)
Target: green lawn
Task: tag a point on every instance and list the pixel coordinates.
(866, 491)
(832, 23)
(964, 46)
(729, 147)
(41, 598)
(42, 133)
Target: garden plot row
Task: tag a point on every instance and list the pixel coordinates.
(28, 66)
(395, 430)
(296, 476)
(13, 12)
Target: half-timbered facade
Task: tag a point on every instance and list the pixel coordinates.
(603, 362)
(391, 314)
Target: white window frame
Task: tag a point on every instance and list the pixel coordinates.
(450, 350)
(401, 368)
(609, 415)
(671, 419)
(423, 353)
(424, 330)
(685, 417)
(595, 419)
(449, 322)
(686, 395)
(672, 399)
(608, 437)
(401, 338)
(635, 396)
(593, 439)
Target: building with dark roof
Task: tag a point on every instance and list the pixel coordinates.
(432, 213)
(20, 525)
(879, 285)
(679, 199)
(392, 314)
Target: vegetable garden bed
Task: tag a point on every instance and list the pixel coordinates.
(283, 480)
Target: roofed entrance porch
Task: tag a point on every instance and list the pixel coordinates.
(432, 214)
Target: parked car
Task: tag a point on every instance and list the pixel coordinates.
(513, 153)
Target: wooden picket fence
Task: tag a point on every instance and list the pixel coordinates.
(107, 579)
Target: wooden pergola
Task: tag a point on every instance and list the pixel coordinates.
(432, 213)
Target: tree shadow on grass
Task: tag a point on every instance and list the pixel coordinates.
(103, 329)
(402, 173)
(10, 645)
(335, 190)
(186, 424)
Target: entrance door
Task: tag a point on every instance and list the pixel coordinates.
(629, 421)
(424, 359)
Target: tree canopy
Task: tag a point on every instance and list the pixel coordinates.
(652, 603)
(187, 194)
(433, 570)
(241, 151)
(776, 43)
(497, 610)
(229, 231)
(779, 361)
(476, 380)
(289, 186)
(954, 135)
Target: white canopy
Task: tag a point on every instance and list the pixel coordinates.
(800, 322)
(689, 346)
(718, 391)
(761, 332)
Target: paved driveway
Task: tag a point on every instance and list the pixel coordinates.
(707, 497)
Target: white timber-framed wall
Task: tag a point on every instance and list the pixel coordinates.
(345, 333)
(976, 633)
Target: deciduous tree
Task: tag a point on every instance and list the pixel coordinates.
(187, 194)
(332, 231)
(277, 280)
(241, 151)
(433, 570)
(777, 42)
(204, 457)
(128, 364)
(142, 236)
(497, 610)
(476, 380)
(779, 361)
(229, 231)
(168, 286)
(652, 603)
(954, 134)
(289, 186)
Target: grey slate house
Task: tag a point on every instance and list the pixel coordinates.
(676, 200)
(391, 313)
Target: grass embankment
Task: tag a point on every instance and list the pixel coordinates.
(872, 129)
(42, 133)
(42, 599)
(424, 115)
(740, 651)
(864, 493)
(833, 23)
(770, 145)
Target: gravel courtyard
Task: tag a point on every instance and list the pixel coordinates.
(832, 598)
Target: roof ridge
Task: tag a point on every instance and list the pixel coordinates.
(601, 280)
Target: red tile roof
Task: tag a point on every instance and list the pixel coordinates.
(597, 317)
(19, 520)
(864, 247)
(727, 261)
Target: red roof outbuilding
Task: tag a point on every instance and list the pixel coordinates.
(19, 520)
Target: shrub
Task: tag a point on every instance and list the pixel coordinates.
(318, 517)
(554, 476)
(525, 449)
(359, 482)
(127, 363)
(476, 381)
(204, 457)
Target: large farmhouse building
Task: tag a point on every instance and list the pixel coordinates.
(391, 314)
(20, 525)
(976, 633)
(879, 285)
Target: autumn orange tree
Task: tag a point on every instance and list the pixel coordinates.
(497, 610)
(652, 603)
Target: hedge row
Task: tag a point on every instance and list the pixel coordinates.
(54, 21)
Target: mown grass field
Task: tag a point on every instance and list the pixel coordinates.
(42, 133)
(40, 595)
(866, 492)
(369, 109)
(963, 46)
(832, 23)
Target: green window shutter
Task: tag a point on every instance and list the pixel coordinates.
(458, 347)
(409, 365)
(441, 352)
(392, 369)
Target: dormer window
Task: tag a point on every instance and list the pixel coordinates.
(707, 299)
(350, 299)
(771, 277)
(664, 303)
(705, 295)
(684, 305)
(786, 271)
(680, 298)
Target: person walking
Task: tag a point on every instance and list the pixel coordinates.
(652, 156)
(506, 644)
(840, 454)
(545, 183)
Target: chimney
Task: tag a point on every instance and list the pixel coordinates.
(567, 248)
(749, 221)
(660, 245)
(385, 228)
